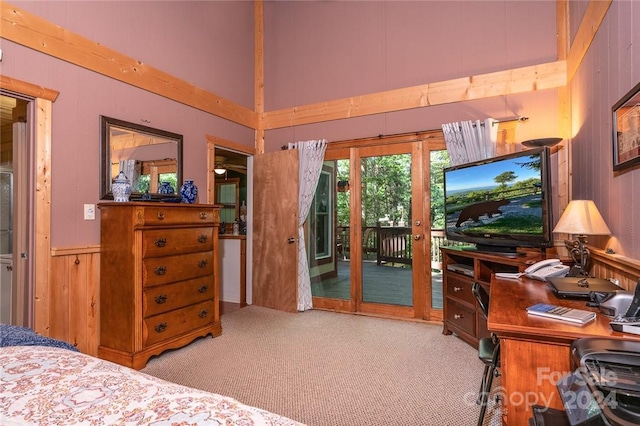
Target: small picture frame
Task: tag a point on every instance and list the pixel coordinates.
(626, 130)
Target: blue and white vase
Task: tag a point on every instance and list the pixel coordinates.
(121, 188)
(165, 188)
(189, 192)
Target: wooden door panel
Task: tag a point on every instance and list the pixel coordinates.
(275, 221)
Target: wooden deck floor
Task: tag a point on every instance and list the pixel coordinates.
(381, 284)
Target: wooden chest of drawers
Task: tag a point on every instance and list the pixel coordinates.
(158, 278)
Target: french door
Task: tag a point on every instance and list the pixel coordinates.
(381, 221)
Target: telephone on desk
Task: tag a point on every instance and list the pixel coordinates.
(546, 268)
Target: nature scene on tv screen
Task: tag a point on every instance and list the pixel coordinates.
(500, 197)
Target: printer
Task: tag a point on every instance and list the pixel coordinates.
(604, 388)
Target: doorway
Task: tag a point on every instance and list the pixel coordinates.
(230, 181)
(14, 201)
(382, 240)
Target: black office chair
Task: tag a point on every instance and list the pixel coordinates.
(488, 352)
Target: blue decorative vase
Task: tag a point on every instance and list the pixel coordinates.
(165, 188)
(121, 188)
(189, 192)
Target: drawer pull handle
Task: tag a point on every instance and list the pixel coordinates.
(203, 288)
(160, 215)
(203, 313)
(457, 289)
(203, 215)
(160, 242)
(160, 299)
(458, 316)
(161, 327)
(202, 264)
(202, 239)
(160, 270)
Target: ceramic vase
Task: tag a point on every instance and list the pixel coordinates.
(189, 192)
(121, 188)
(165, 188)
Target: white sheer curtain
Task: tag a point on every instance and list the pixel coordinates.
(310, 156)
(469, 141)
(131, 169)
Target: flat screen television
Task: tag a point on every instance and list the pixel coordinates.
(501, 203)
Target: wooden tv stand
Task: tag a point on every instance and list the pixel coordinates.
(461, 268)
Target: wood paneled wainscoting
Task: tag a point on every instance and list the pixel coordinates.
(606, 265)
(74, 297)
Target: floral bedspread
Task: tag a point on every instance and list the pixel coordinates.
(54, 386)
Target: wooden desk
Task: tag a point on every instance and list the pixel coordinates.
(534, 351)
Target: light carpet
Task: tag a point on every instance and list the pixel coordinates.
(324, 369)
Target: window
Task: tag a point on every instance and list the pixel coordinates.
(228, 195)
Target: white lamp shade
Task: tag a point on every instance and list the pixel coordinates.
(582, 217)
(219, 170)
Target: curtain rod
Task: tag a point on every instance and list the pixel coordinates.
(517, 118)
(506, 120)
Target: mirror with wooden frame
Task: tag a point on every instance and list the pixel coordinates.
(147, 156)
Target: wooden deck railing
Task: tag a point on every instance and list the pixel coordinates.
(390, 244)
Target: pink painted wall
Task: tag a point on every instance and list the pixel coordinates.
(209, 44)
(610, 69)
(320, 51)
(317, 51)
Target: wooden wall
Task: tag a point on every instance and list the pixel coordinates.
(75, 291)
(74, 297)
(605, 265)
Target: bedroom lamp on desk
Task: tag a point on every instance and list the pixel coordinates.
(581, 218)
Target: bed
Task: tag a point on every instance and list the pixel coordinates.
(51, 383)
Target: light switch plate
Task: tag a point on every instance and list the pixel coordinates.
(89, 212)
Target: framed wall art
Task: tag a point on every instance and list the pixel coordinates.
(626, 130)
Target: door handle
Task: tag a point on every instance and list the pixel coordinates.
(292, 240)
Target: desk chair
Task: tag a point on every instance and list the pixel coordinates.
(488, 352)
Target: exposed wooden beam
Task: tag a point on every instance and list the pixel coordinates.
(593, 17)
(36, 33)
(519, 80)
(259, 72)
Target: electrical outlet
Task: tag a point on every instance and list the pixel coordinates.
(89, 212)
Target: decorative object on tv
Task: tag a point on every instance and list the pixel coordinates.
(189, 192)
(501, 203)
(121, 188)
(581, 218)
(626, 130)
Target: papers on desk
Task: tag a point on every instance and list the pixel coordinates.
(576, 316)
(509, 275)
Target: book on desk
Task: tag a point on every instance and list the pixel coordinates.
(576, 316)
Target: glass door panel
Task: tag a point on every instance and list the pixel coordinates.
(328, 229)
(387, 276)
(438, 160)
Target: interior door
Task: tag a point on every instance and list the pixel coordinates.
(275, 230)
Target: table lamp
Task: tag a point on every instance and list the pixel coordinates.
(581, 218)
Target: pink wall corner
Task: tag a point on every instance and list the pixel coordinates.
(609, 70)
(220, 61)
